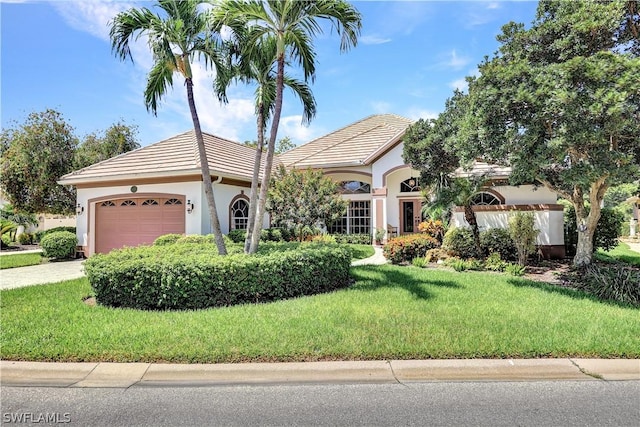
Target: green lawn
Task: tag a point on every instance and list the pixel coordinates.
(20, 260)
(622, 252)
(389, 313)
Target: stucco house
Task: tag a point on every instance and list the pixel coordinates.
(137, 196)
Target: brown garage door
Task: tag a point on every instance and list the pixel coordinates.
(134, 221)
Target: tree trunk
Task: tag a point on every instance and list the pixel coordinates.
(206, 175)
(266, 176)
(253, 197)
(470, 217)
(586, 223)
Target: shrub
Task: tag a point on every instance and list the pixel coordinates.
(25, 238)
(195, 239)
(515, 269)
(61, 228)
(323, 238)
(419, 262)
(406, 248)
(498, 240)
(432, 228)
(458, 241)
(59, 245)
(523, 234)
(495, 263)
(183, 277)
(353, 239)
(167, 239)
(456, 263)
(611, 282)
(237, 236)
(38, 235)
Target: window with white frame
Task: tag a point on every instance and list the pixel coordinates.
(357, 219)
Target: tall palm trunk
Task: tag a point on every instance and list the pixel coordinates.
(271, 148)
(253, 197)
(206, 175)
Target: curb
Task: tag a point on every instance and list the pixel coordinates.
(124, 375)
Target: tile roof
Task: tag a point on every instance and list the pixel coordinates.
(358, 143)
(177, 155)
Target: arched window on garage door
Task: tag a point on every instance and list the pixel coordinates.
(239, 214)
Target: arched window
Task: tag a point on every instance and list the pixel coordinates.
(410, 185)
(484, 199)
(354, 187)
(239, 214)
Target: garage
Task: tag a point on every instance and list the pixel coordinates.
(132, 221)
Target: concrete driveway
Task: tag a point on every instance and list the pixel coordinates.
(50, 272)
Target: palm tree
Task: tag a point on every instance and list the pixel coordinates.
(176, 39)
(292, 24)
(259, 69)
(457, 191)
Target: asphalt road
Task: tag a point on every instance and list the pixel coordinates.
(533, 403)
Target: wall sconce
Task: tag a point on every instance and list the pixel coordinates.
(79, 209)
(189, 206)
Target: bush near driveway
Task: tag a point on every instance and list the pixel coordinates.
(195, 277)
(59, 245)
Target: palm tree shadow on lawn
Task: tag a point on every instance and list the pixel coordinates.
(370, 278)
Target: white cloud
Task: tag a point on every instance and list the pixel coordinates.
(373, 40)
(454, 61)
(381, 107)
(91, 16)
(292, 127)
(460, 84)
(417, 113)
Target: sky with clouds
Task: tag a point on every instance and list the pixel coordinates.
(410, 57)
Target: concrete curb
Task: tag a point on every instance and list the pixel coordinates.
(124, 375)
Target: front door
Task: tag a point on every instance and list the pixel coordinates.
(410, 215)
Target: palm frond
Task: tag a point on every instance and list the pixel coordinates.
(159, 79)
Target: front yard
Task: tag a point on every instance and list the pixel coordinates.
(389, 313)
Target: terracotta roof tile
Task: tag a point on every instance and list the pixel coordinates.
(353, 144)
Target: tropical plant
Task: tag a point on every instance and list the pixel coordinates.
(176, 39)
(303, 198)
(524, 234)
(292, 25)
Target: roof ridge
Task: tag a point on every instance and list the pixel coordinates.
(339, 141)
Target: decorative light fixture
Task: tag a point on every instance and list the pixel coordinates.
(412, 182)
(79, 209)
(189, 206)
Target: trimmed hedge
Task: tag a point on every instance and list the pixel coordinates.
(59, 245)
(498, 240)
(458, 241)
(195, 277)
(406, 248)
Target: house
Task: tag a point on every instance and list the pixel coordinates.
(137, 196)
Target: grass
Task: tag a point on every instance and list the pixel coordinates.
(20, 260)
(389, 312)
(622, 253)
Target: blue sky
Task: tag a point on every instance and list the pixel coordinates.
(410, 57)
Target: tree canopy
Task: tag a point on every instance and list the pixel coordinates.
(300, 199)
(559, 103)
(117, 139)
(36, 153)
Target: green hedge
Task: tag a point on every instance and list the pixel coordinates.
(406, 248)
(59, 245)
(195, 277)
